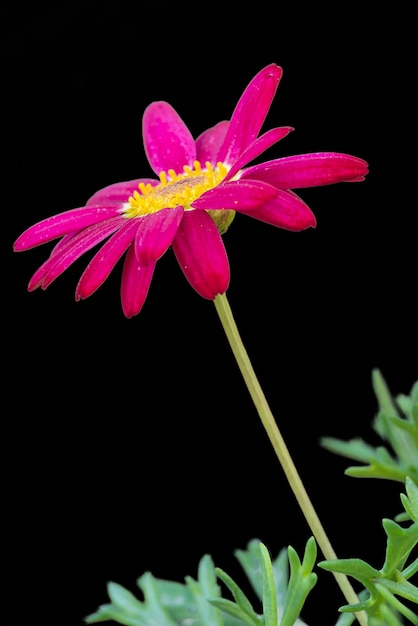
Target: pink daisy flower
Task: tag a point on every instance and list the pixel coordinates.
(201, 185)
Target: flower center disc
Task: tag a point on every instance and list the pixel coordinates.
(175, 189)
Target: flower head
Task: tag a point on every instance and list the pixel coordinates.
(201, 185)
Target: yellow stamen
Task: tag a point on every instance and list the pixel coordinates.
(175, 189)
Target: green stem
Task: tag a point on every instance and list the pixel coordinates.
(280, 448)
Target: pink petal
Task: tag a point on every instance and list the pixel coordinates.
(64, 255)
(105, 259)
(236, 195)
(155, 234)
(286, 211)
(309, 170)
(168, 142)
(118, 192)
(209, 143)
(136, 280)
(64, 240)
(258, 147)
(201, 254)
(250, 113)
(63, 224)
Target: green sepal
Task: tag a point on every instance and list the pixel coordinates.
(223, 219)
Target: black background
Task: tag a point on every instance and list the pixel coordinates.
(132, 445)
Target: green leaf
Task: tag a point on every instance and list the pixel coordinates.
(346, 619)
(381, 465)
(400, 543)
(125, 608)
(412, 493)
(281, 575)
(362, 571)
(396, 605)
(399, 431)
(122, 598)
(249, 560)
(397, 424)
(251, 564)
(201, 590)
(107, 612)
(409, 404)
(269, 588)
(411, 569)
(270, 579)
(235, 611)
(166, 603)
(355, 449)
(382, 393)
(156, 612)
(301, 582)
(239, 596)
(176, 598)
(401, 588)
(383, 585)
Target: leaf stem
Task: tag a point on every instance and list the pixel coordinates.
(228, 322)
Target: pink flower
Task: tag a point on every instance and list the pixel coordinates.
(202, 183)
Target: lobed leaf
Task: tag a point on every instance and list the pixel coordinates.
(301, 582)
(400, 543)
(397, 424)
(239, 596)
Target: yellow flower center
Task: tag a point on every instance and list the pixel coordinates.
(175, 189)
